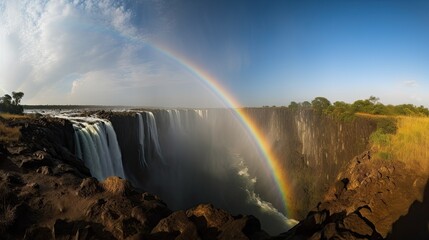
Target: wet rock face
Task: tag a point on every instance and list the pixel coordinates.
(367, 200)
(312, 148)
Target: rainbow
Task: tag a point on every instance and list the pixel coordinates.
(271, 161)
(273, 164)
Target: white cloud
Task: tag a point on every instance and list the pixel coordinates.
(410, 83)
(79, 52)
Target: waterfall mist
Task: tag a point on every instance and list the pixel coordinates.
(188, 157)
(208, 157)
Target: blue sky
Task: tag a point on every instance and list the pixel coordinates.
(262, 52)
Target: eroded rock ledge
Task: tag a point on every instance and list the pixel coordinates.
(367, 201)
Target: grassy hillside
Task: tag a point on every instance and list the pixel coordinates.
(408, 142)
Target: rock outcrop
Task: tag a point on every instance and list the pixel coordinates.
(369, 197)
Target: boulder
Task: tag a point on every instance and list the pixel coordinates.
(88, 187)
(212, 217)
(177, 222)
(247, 227)
(45, 170)
(39, 159)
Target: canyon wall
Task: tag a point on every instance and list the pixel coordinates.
(311, 147)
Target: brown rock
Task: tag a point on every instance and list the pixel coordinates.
(247, 227)
(357, 225)
(45, 170)
(16, 150)
(330, 230)
(38, 233)
(213, 217)
(88, 187)
(177, 221)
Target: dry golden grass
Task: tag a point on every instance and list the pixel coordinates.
(373, 116)
(9, 134)
(409, 144)
(115, 185)
(411, 141)
(14, 116)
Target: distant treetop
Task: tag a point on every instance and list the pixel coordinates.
(11, 104)
(372, 105)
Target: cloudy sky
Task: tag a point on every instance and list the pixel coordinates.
(132, 52)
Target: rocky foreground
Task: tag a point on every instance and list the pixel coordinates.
(46, 193)
(372, 199)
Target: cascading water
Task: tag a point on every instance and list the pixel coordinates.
(203, 156)
(97, 146)
(186, 156)
(152, 143)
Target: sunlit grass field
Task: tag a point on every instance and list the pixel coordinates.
(410, 142)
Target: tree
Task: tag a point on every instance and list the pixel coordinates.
(306, 104)
(17, 96)
(373, 100)
(319, 104)
(6, 99)
(11, 105)
(293, 106)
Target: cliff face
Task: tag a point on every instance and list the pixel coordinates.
(367, 202)
(312, 149)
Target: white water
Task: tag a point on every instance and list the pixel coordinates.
(97, 146)
(195, 157)
(141, 141)
(153, 145)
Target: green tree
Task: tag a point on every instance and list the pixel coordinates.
(306, 104)
(17, 97)
(293, 106)
(373, 100)
(11, 105)
(320, 104)
(6, 99)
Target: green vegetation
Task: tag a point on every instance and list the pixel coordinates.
(409, 142)
(11, 104)
(347, 112)
(402, 130)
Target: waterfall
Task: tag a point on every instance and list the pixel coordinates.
(185, 156)
(150, 148)
(153, 131)
(97, 146)
(142, 157)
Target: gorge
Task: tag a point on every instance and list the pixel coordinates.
(188, 157)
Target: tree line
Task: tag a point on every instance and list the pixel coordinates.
(11, 104)
(346, 111)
